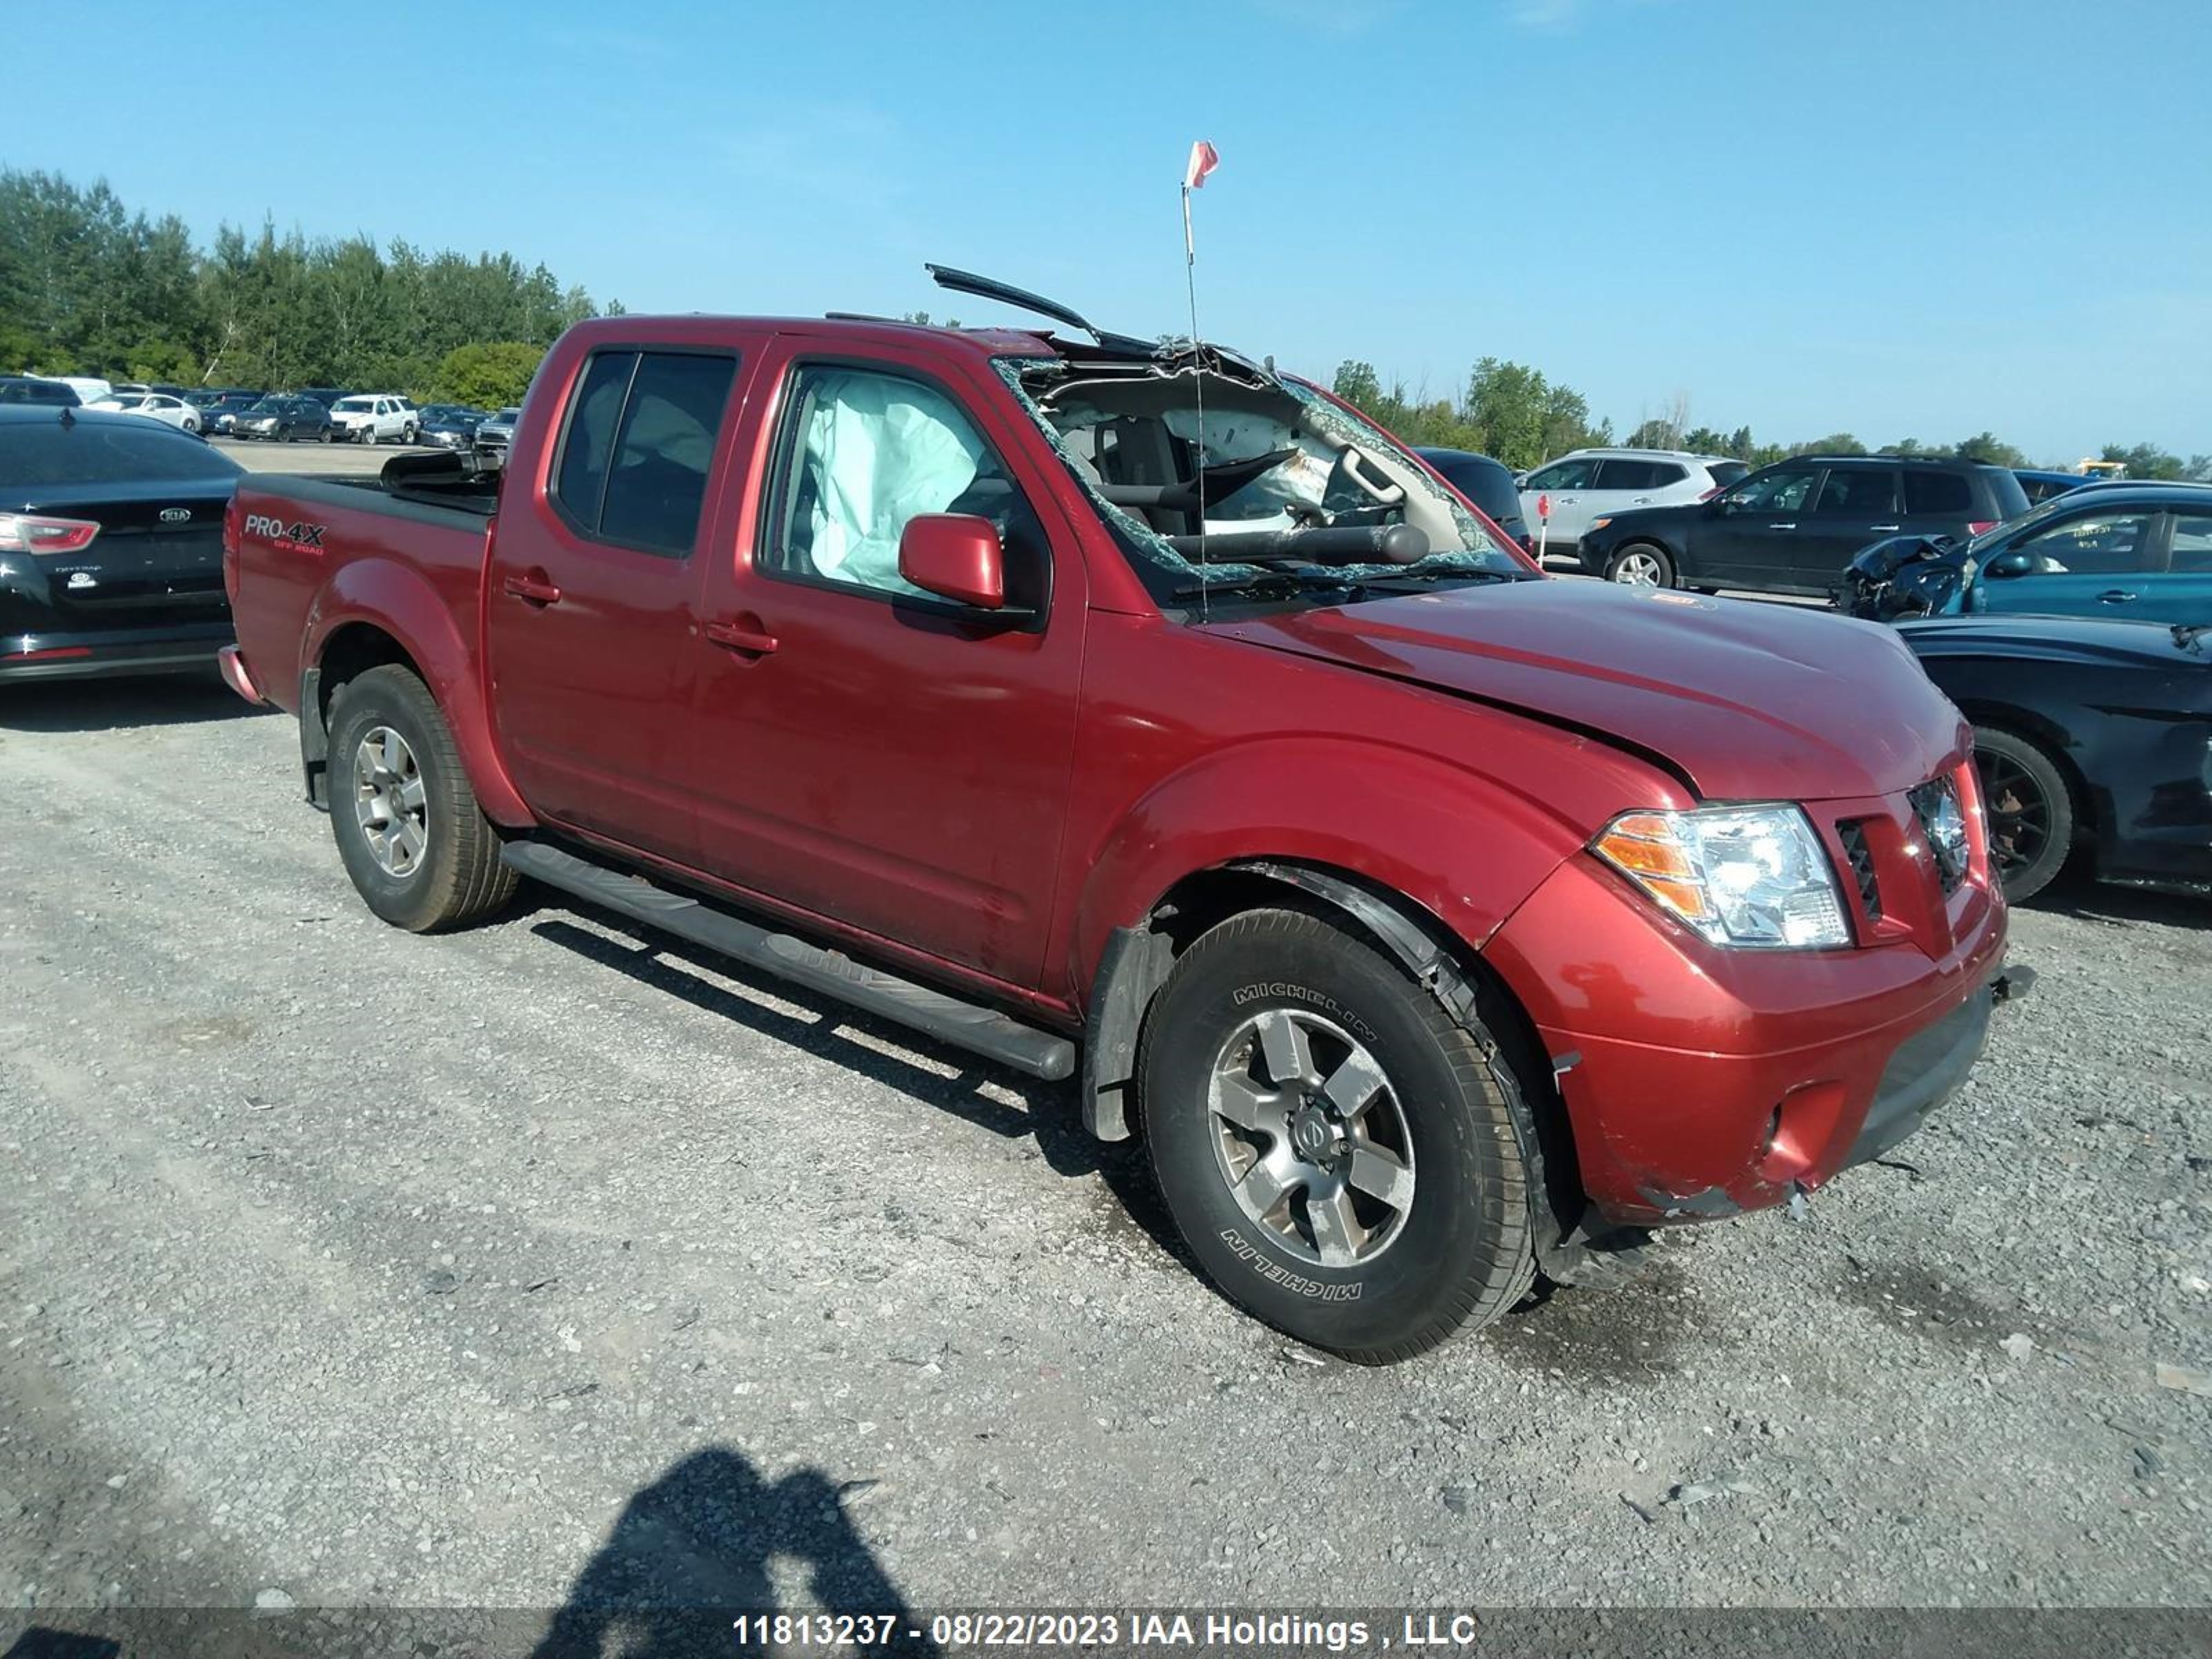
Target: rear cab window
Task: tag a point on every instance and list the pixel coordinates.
(638, 441)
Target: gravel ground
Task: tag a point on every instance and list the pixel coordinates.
(350, 1267)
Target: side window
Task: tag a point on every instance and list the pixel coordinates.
(860, 453)
(1935, 493)
(2093, 545)
(589, 443)
(664, 451)
(2192, 544)
(640, 442)
(1563, 475)
(1784, 489)
(1858, 492)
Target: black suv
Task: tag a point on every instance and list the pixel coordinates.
(1793, 527)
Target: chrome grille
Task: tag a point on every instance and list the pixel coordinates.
(1943, 822)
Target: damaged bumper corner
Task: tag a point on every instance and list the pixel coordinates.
(1924, 1071)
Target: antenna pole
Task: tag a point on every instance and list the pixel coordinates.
(1190, 290)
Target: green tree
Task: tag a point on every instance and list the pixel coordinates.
(2147, 461)
(487, 376)
(1836, 443)
(1985, 446)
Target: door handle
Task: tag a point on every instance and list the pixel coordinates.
(1881, 526)
(536, 588)
(2115, 596)
(754, 640)
(1781, 527)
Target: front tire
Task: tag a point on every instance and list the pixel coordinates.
(1641, 564)
(1344, 1159)
(2030, 808)
(420, 850)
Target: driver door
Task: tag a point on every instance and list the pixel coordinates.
(866, 751)
(2089, 563)
(1746, 539)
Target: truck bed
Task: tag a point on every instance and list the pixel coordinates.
(416, 540)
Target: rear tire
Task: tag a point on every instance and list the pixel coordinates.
(1641, 564)
(2029, 809)
(1374, 1232)
(420, 850)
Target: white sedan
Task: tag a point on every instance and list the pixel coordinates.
(155, 406)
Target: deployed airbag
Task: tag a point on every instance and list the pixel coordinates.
(878, 452)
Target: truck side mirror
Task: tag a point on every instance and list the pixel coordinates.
(2014, 561)
(956, 557)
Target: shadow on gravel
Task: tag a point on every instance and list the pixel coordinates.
(1049, 1112)
(689, 1554)
(685, 1573)
(1637, 1330)
(116, 705)
(2087, 899)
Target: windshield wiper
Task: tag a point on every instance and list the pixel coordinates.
(2190, 635)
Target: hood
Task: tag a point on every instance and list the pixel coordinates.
(1748, 702)
(1653, 518)
(2093, 639)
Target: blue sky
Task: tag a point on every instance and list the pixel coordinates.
(1894, 219)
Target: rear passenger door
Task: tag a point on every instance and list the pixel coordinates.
(590, 627)
(1623, 483)
(1856, 503)
(2183, 594)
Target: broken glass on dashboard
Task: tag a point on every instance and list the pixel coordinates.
(1212, 471)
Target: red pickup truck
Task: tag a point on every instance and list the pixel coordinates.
(1059, 694)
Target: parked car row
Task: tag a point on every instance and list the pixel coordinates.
(322, 413)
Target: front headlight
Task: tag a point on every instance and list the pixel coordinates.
(1740, 875)
(1600, 523)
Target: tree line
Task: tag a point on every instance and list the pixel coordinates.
(88, 287)
(1511, 412)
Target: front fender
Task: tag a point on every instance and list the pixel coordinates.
(1464, 847)
(403, 603)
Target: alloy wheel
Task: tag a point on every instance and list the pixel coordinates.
(2018, 812)
(1637, 570)
(390, 802)
(1310, 1137)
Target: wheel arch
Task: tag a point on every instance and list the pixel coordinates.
(2030, 727)
(375, 613)
(1138, 959)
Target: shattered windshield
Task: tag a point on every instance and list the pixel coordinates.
(1279, 492)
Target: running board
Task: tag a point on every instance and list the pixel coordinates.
(934, 1013)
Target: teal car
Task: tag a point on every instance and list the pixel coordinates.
(2137, 552)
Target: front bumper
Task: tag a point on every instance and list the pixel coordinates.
(1700, 1083)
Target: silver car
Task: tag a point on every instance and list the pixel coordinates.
(493, 437)
(1589, 483)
